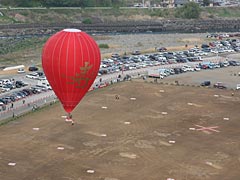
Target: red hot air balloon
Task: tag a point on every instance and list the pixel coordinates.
(70, 60)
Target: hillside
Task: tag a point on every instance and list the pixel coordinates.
(28, 29)
(98, 15)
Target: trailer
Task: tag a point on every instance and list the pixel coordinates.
(44, 83)
(155, 74)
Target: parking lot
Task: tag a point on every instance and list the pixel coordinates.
(216, 55)
(229, 76)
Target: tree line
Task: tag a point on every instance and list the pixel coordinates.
(61, 3)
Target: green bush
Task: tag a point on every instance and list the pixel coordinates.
(87, 21)
(103, 46)
(190, 10)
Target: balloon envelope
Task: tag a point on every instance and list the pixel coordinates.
(70, 60)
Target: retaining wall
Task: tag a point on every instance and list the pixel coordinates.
(166, 26)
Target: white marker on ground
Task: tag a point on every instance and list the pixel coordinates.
(104, 107)
(127, 122)
(12, 164)
(90, 171)
(172, 142)
(164, 113)
(133, 99)
(226, 119)
(36, 129)
(60, 148)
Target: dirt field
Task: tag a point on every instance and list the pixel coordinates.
(152, 132)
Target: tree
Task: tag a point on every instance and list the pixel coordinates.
(190, 10)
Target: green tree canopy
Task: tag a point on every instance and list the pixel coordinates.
(190, 10)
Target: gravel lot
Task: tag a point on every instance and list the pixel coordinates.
(129, 42)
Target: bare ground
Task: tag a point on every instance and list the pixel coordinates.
(152, 132)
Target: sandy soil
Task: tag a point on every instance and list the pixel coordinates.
(152, 132)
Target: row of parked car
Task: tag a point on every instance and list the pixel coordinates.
(122, 63)
(9, 84)
(164, 72)
(20, 94)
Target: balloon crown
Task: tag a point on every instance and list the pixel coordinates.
(72, 30)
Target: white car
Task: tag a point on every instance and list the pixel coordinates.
(214, 51)
(20, 71)
(187, 68)
(5, 89)
(41, 78)
(238, 87)
(32, 76)
(197, 68)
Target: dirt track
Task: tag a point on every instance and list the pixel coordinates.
(147, 138)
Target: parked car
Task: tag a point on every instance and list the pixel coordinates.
(204, 46)
(206, 83)
(33, 68)
(219, 85)
(161, 49)
(20, 71)
(5, 88)
(136, 52)
(232, 63)
(20, 84)
(238, 87)
(32, 76)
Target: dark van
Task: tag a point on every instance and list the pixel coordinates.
(206, 83)
(33, 68)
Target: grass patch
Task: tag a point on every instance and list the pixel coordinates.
(104, 46)
(87, 21)
(15, 44)
(230, 12)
